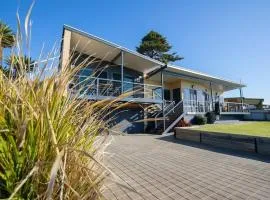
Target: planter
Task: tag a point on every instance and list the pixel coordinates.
(254, 144)
(268, 116)
(263, 146)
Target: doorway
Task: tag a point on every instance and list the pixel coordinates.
(177, 95)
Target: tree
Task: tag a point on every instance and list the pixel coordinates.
(259, 106)
(7, 39)
(157, 47)
(20, 64)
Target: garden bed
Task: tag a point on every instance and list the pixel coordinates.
(223, 138)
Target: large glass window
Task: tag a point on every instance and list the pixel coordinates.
(85, 72)
(157, 93)
(104, 88)
(128, 83)
(117, 83)
(84, 81)
(196, 100)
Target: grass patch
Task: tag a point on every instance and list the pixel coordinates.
(249, 128)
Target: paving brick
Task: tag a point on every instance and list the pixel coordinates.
(162, 168)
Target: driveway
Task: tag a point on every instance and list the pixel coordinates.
(159, 167)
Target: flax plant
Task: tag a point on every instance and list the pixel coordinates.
(51, 141)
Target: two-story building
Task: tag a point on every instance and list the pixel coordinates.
(159, 94)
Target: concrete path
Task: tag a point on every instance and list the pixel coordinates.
(158, 167)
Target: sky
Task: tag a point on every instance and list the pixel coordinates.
(226, 38)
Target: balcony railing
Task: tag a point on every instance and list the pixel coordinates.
(100, 87)
(197, 106)
(232, 107)
(194, 106)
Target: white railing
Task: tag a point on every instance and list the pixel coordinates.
(197, 106)
(194, 106)
(168, 105)
(234, 107)
(172, 109)
(92, 86)
(173, 117)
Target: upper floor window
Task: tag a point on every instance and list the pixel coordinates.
(85, 72)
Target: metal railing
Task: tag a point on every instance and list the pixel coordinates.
(92, 86)
(168, 105)
(170, 115)
(234, 107)
(197, 106)
(206, 106)
(174, 116)
(176, 109)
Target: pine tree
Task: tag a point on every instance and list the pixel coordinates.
(156, 46)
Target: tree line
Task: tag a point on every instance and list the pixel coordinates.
(12, 64)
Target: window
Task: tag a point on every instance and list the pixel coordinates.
(157, 93)
(85, 72)
(167, 94)
(128, 83)
(117, 76)
(103, 86)
(196, 100)
(103, 75)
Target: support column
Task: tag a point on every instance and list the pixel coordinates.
(212, 102)
(122, 72)
(162, 95)
(241, 97)
(65, 54)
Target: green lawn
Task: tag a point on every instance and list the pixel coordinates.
(248, 128)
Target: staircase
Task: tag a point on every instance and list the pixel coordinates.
(172, 117)
(155, 110)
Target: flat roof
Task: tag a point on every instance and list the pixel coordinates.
(244, 98)
(133, 57)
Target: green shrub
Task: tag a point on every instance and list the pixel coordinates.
(199, 120)
(211, 117)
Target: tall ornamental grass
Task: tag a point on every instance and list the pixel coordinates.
(51, 142)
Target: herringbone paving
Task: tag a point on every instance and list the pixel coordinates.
(158, 167)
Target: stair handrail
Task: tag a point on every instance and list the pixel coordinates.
(177, 119)
(171, 104)
(165, 114)
(174, 123)
(180, 102)
(160, 112)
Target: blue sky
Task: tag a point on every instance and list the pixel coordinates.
(229, 39)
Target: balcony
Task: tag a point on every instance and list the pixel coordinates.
(193, 107)
(100, 88)
(234, 108)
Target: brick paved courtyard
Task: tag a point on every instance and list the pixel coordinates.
(158, 167)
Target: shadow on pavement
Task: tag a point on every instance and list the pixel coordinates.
(248, 155)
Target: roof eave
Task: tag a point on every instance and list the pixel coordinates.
(237, 85)
(194, 73)
(72, 29)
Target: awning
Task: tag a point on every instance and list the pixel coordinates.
(108, 51)
(174, 73)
